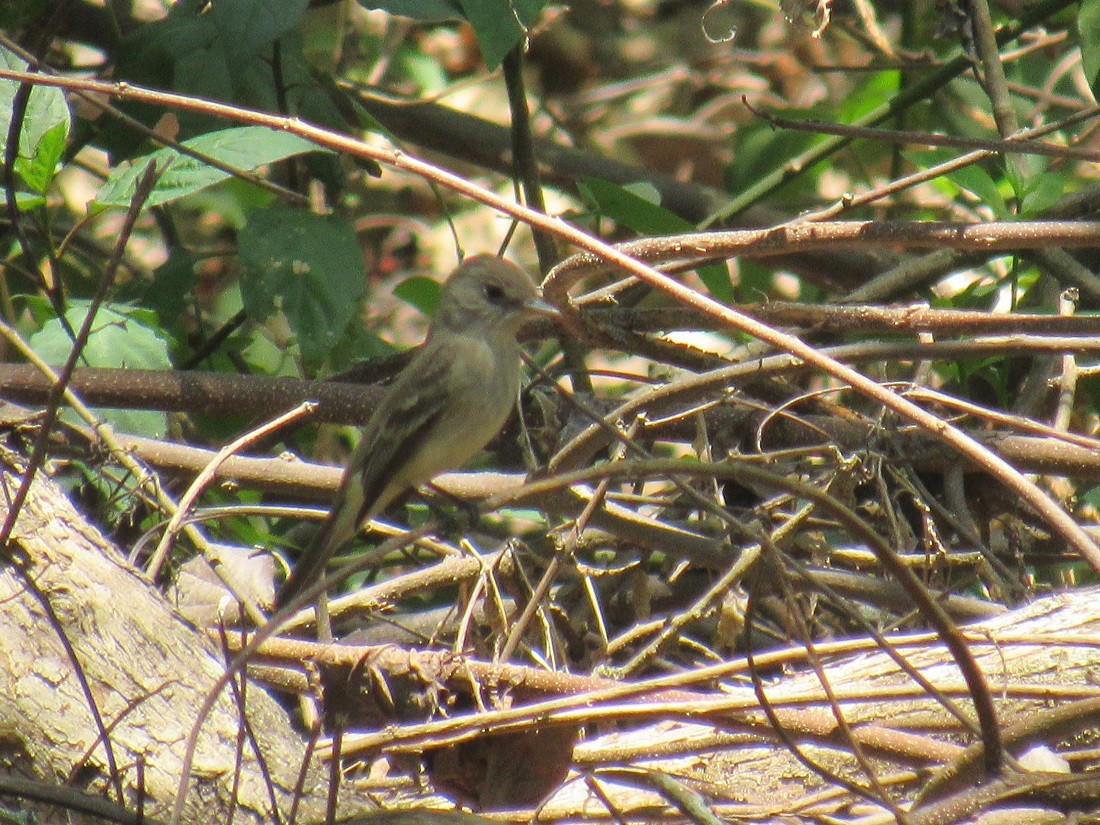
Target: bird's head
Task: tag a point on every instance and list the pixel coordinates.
(488, 295)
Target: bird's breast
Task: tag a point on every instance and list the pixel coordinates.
(482, 385)
(485, 383)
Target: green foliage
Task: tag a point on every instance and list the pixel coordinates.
(981, 378)
(245, 29)
(1038, 187)
(500, 25)
(1092, 497)
(422, 293)
(973, 179)
(309, 268)
(16, 13)
(122, 337)
(873, 92)
(358, 343)
(227, 55)
(1088, 31)
(44, 131)
(38, 170)
(635, 207)
(245, 148)
(427, 10)
(172, 288)
(762, 149)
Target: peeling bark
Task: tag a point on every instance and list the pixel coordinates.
(148, 671)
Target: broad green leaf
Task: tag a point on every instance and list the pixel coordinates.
(122, 338)
(422, 293)
(869, 95)
(1043, 192)
(267, 357)
(631, 209)
(755, 280)
(230, 201)
(500, 25)
(25, 201)
(429, 11)
(250, 26)
(173, 283)
(1035, 186)
(644, 190)
(647, 218)
(357, 344)
(37, 172)
(1092, 497)
(15, 14)
(245, 148)
(971, 178)
(761, 150)
(146, 56)
(46, 111)
(528, 11)
(222, 51)
(1088, 32)
(424, 70)
(496, 27)
(308, 266)
(977, 180)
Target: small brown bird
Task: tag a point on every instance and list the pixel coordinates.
(444, 407)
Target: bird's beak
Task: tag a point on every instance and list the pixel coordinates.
(538, 307)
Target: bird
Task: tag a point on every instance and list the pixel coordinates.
(441, 410)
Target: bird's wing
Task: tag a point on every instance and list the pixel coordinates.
(394, 433)
(417, 401)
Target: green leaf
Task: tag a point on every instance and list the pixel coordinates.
(972, 178)
(250, 26)
(874, 91)
(231, 201)
(122, 338)
(976, 180)
(631, 209)
(762, 150)
(15, 14)
(422, 293)
(429, 11)
(221, 51)
(992, 372)
(496, 27)
(46, 111)
(1042, 192)
(500, 25)
(422, 69)
(648, 218)
(357, 344)
(1088, 33)
(145, 56)
(245, 148)
(1092, 497)
(528, 11)
(173, 282)
(308, 266)
(38, 171)
(25, 201)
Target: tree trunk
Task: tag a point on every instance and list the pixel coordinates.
(148, 672)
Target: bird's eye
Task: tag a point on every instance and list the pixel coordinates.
(494, 292)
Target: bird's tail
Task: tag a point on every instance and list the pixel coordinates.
(336, 533)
